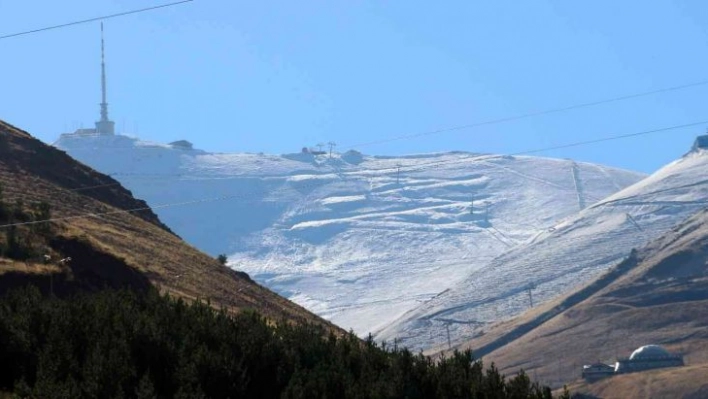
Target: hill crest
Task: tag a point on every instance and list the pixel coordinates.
(357, 239)
(112, 238)
(568, 255)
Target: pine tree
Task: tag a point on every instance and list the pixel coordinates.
(222, 259)
(145, 389)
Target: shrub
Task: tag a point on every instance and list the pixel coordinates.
(222, 259)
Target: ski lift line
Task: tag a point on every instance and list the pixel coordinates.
(529, 115)
(247, 194)
(121, 14)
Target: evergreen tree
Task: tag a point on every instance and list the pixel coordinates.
(122, 345)
(3, 207)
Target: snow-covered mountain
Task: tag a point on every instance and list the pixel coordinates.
(570, 253)
(357, 239)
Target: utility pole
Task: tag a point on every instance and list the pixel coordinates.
(319, 147)
(449, 343)
(529, 288)
(472, 208)
(398, 174)
(331, 144)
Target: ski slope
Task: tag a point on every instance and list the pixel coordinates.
(570, 253)
(360, 240)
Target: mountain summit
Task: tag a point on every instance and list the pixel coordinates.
(357, 239)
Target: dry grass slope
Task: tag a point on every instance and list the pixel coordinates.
(661, 297)
(132, 246)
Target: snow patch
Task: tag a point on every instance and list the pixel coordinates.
(349, 237)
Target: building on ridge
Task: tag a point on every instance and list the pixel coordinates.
(182, 145)
(596, 371)
(701, 142)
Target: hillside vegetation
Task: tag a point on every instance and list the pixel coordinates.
(113, 239)
(121, 345)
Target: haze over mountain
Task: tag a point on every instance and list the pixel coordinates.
(357, 239)
(571, 253)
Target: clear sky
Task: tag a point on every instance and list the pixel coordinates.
(274, 76)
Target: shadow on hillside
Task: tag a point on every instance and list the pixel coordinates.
(517, 332)
(89, 271)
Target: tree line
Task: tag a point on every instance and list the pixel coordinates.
(119, 344)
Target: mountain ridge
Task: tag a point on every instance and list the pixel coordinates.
(658, 297)
(113, 239)
(357, 239)
(571, 253)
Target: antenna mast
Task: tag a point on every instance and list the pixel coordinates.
(104, 126)
(104, 105)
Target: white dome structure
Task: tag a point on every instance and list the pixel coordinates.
(648, 357)
(649, 352)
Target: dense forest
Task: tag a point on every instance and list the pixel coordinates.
(118, 344)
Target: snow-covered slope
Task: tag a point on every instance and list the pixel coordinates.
(357, 239)
(570, 253)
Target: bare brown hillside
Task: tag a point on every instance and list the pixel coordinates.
(659, 295)
(109, 246)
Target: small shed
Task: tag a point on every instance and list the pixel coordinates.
(597, 371)
(182, 144)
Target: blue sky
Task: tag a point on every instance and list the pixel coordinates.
(271, 77)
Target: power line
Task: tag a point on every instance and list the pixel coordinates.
(414, 168)
(83, 188)
(422, 166)
(529, 115)
(121, 14)
(562, 146)
(249, 194)
(516, 117)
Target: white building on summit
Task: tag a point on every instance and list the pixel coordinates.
(104, 126)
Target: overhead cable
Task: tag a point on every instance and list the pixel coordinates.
(248, 194)
(120, 14)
